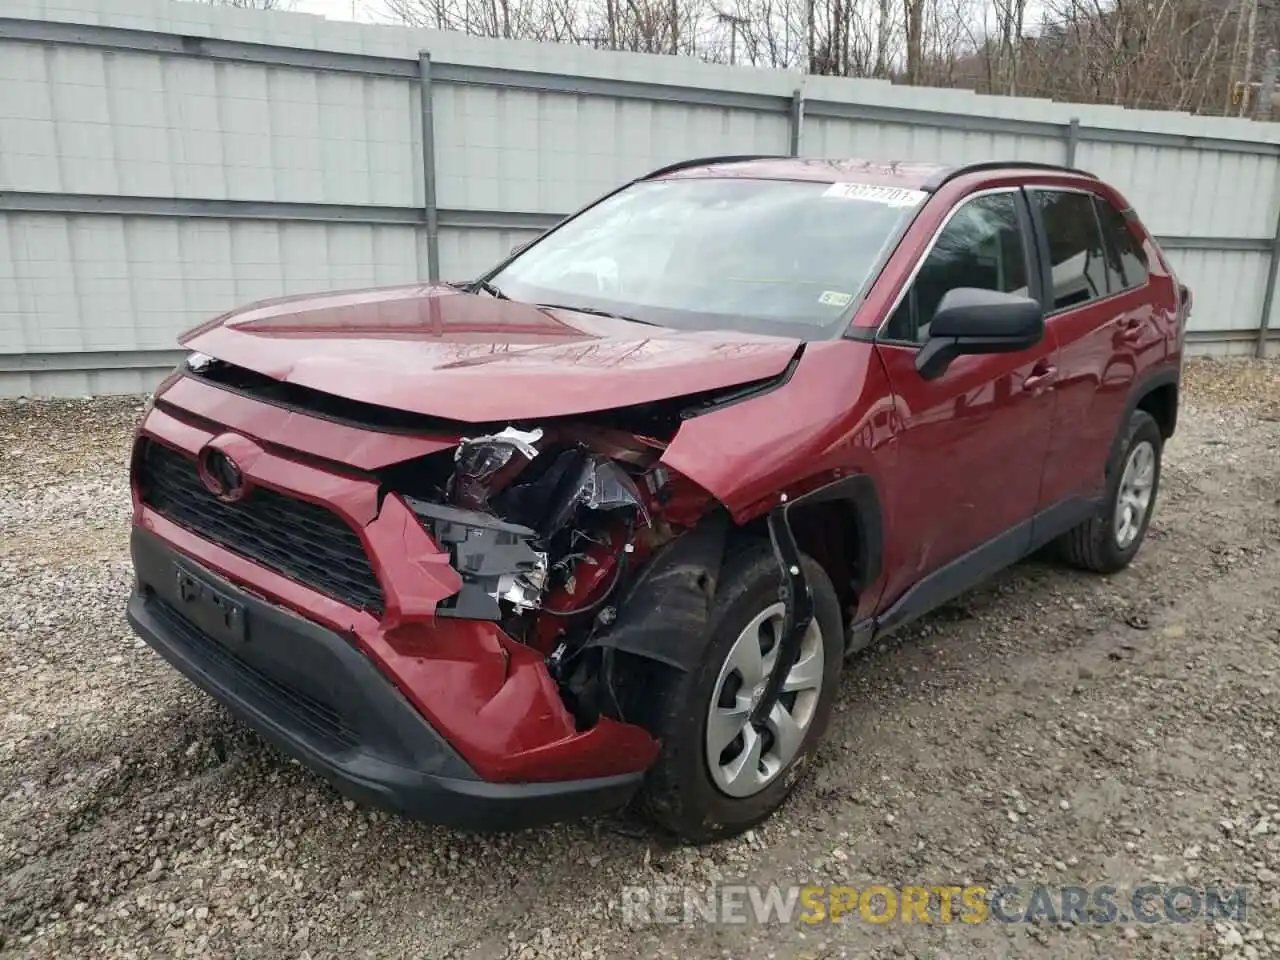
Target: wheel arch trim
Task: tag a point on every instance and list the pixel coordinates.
(1141, 390)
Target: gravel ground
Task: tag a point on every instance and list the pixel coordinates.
(1051, 727)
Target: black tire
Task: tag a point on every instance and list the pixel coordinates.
(1093, 545)
(679, 794)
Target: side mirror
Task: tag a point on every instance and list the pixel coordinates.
(969, 320)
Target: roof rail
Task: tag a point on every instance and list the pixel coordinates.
(950, 173)
(706, 161)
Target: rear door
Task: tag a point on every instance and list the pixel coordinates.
(972, 442)
(1100, 314)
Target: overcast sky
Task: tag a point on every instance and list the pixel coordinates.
(367, 11)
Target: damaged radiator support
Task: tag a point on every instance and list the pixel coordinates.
(491, 555)
(798, 601)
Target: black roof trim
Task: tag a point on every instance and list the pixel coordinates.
(708, 161)
(949, 174)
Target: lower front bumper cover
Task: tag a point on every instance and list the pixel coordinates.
(309, 691)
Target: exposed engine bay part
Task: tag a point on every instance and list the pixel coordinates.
(602, 485)
(582, 544)
(484, 465)
(524, 590)
(530, 516)
(495, 559)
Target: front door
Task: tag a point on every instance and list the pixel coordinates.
(972, 443)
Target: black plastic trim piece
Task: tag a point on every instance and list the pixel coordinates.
(797, 600)
(956, 577)
(1033, 255)
(483, 548)
(729, 396)
(1044, 261)
(1053, 522)
(663, 615)
(1141, 389)
(390, 757)
(972, 568)
(860, 636)
(860, 490)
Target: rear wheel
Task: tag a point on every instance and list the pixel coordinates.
(1109, 541)
(718, 773)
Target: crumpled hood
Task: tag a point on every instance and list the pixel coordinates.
(436, 351)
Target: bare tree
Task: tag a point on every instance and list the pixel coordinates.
(252, 4)
(913, 24)
(1168, 54)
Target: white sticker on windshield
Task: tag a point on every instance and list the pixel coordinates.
(893, 196)
(834, 298)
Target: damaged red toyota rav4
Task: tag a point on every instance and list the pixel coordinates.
(602, 525)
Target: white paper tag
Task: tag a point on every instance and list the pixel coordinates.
(835, 298)
(892, 196)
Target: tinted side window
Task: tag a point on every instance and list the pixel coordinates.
(1076, 256)
(1131, 261)
(981, 246)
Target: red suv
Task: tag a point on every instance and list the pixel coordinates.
(603, 524)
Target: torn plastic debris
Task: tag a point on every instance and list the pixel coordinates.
(494, 558)
(484, 465)
(524, 590)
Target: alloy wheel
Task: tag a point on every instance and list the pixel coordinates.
(744, 758)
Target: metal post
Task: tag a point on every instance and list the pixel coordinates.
(797, 120)
(1262, 111)
(1073, 138)
(1269, 293)
(430, 211)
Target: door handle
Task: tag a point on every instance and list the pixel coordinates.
(1041, 376)
(1131, 330)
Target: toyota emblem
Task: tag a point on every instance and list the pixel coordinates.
(221, 475)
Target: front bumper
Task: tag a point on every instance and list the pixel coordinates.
(310, 691)
(487, 695)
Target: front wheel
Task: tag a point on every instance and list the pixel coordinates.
(718, 773)
(1108, 542)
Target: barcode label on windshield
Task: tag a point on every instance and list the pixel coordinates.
(893, 196)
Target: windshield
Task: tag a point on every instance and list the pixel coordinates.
(761, 256)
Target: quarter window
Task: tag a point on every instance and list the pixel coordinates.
(1077, 260)
(981, 246)
(1123, 248)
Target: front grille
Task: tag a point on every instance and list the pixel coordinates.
(304, 710)
(305, 542)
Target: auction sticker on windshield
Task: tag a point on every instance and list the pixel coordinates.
(893, 196)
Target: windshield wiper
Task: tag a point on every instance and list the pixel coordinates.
(489, 288)
(475, 286)
(597, 313)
